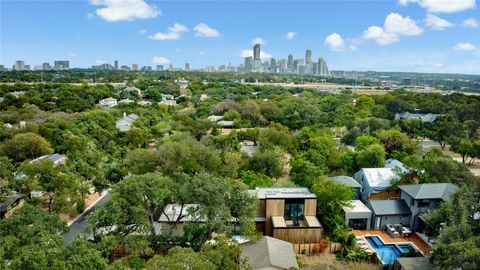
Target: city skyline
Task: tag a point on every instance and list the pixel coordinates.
(405, 35)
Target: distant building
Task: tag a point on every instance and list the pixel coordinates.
(248, 64)
(125, 124)
(187, 67)
(159, 68)
(61, 65)
(108, 103)
(290, 63)
(115, 65)
(46, 66)
(322, 68)
(27, 67)
(135, 67)
(256, 52)
(2, 68)
(19, 65)
(125, 67)
(57, 159)
(308, 56)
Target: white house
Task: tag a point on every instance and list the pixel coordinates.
(125, 124)
(108, 102)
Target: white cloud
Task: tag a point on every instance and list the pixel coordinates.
(248, 53)
(395, 25)
(174, 33)
(436, 22)
(438, 65)
(464, 47)
(258, 40)
(380, 36)
(470, 23)
(125, 10)
(142, 31)
(442, 6)
(72, 54)
(205, 31)
(160, 60)
(290, 35)
(99, 62)
(336, 43)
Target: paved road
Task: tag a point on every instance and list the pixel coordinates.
(79, 227)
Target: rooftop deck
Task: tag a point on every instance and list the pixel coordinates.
(414, 238)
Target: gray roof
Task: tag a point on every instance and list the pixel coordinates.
(389, 207)
(283, 193)
(269, 253)
(224, 123)
(124, 124)
(6, 201)
(429, 191)
(346, 180)
(424, 117)
(414, 263)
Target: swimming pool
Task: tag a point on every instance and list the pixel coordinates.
(388, 253)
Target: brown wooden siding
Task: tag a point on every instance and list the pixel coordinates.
(385, 195)
(299, 235)
(273, 208)
(261, 208)
(260, 227)
(310, 207)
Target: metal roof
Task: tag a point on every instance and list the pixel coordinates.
(424, 117)
(283, 193)
(346, 180)
(357, 206)
(378, 177)
(389, 207)
(430, 190)
(269, 253)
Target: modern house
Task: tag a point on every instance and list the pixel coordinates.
(125, 124)
(268, 253)
(288, 214)
(348, 181)
(376, 182)
(358, 216)
(173, 214)
(389, 212)
(108, 103)
(10, 204)
(225, 124)
(424, 117)
(423, 198)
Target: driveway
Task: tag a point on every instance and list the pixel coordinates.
(79, 226)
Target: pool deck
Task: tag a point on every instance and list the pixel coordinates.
(387, 239)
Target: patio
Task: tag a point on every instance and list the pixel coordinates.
(414, 238)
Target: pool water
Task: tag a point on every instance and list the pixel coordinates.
(387, 252)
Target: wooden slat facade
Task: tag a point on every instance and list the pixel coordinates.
(273, 208)
(261, 208)
(299, 235)
(310, 207)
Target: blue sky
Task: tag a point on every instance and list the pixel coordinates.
(404, 35)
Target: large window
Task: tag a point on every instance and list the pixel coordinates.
(294, 209)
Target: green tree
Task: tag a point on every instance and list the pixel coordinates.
(363, 141)
(371, 157)
(268, 161)
(253, 179)
(331, 198)
(25, 146)
(140, 161)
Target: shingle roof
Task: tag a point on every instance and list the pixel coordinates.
(389, 207)
(269, 253)
(346, 180)
(429, 191)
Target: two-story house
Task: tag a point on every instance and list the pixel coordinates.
(423, 198)
(289, 214)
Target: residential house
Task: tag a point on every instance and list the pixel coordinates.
(108, 103)
(144, 102)
(226, 124)
(249, 148)
(168, 102)
(125, 124)
(17, 94)
(10, 204)
(423, 198)
(167, 97)
(348, 181)
(376, 182)
(56, 158)
(126, 101)
(174, 214)
(288, 214)
(215, 118)
(268, 253)
(358, 216)
(389, 212)
(134, 90)
(424, 117)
